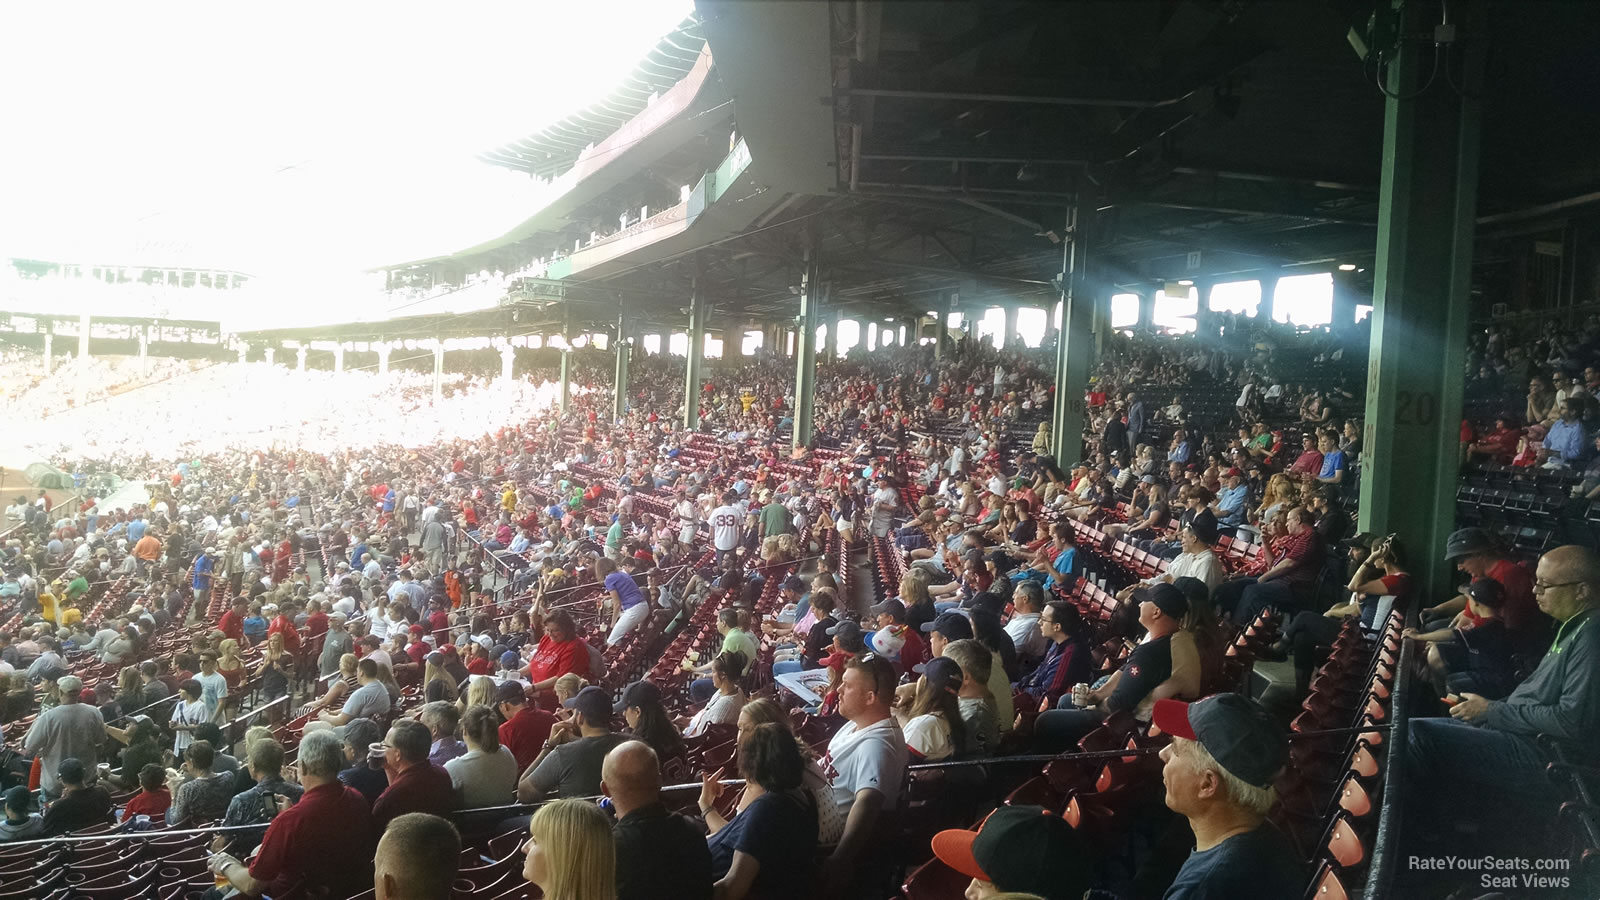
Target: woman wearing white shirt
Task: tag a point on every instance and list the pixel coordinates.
(486, 775)
(931, 721)
(725, 704)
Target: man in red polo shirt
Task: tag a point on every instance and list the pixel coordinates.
(559, 652)
(415, 784)
(526, 726)
(232, 621)
(283, 623)
(321, 845)
(317, 622)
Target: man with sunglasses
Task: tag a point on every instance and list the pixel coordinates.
(1488, 751)
(865, 765)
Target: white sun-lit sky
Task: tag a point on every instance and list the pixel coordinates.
(292, 140)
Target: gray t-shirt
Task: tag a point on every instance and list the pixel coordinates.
(71, 730)
(573, 769)
(369, 700)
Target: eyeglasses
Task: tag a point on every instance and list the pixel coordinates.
(1539, 587)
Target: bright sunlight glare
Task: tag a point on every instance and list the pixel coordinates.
(296, 141)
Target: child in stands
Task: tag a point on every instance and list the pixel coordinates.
(153, 798)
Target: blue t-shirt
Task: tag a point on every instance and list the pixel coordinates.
(780, 831)
(1256, 865)
(1331, 463)
(202, 573)
(627, 589)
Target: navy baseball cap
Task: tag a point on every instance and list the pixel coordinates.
(953, 625)
(1237, 731)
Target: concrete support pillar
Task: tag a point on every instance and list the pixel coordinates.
(144, 346)
(830, 338)
(338, 358)
(272, 353)
(383, 358)
(870, 340)
(1075, 347)
(300, 359)
(697, 349)
(619, 397)
(564, 389)
(438, 370)
(941, 334)
(805, 353)
(49, 351)
(508, 359)
(83, 337)
(1427, 203)
(1147, 307)
(1009, 340)
(244, 351)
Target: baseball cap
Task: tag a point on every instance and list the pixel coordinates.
(849, 636)
(953, 625)
(1487, 591)
(794, 583)
(1205, 529)
(593, 703)
(1167, 598)
(1147, 479)
(69, 684)
(19, 797)
(434, 659)
(510, 692)
(1466, 542)
(639, 693)
(1022, 849)
(1364, 539)
(510, 660)
(893, 607)
(987, 600)
(1237, 731)
(943, 672)
(71, 770)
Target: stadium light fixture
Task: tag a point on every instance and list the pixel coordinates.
(1347, 267)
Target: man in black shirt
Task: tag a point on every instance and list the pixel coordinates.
(79, 806)
(1161, 611)
(1225, 752)
(370, 780)
(659, 853)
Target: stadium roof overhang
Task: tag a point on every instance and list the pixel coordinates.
(927, 149)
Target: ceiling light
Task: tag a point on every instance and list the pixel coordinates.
(1347, 267)
(1186, 283)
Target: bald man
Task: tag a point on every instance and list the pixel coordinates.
(416, 859)
(659, 853)
(1488, 753)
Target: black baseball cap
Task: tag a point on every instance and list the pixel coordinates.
(594, 704)
(1486, 591)
(640, 693)
(1022, 849)
(1167, 598)
(893, 607)
(1237, 731)
(953, 625)
(1204, 528)
(849, 636)
(987, 600)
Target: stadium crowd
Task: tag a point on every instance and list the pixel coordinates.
(351, 636)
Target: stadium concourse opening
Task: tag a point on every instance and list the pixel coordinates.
(926, 450)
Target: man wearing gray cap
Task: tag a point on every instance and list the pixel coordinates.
(1226, 751)
(70, 730)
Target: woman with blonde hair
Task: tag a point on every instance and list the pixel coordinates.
(571, 854)
(1280, 496)
(480, 692)
(437, 684)
(229, 665)
(340, 686)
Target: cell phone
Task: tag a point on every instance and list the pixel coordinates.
(1451, 700)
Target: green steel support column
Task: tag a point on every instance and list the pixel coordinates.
(830, 338)
(1074, 348)
(566, 379)
(805, 352)
(1008, 341)
(1344, 302)
(619, 398)
(1427, 204)
(1269, 297)
(1147, 307)
(697, 350)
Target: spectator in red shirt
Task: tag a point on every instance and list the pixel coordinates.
(319, 846)
(153, 799)
(560, 651)
(1309, 462)
(283, 623)
(1290, 578)
(439, 619)
(526, 726)
(232, 622)
(317, 622)
(415, 784)
(1475, 553)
